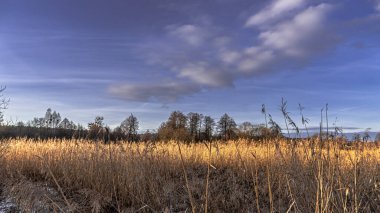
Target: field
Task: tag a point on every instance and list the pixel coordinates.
(235, 176)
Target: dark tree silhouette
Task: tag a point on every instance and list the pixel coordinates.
(209, 125)
(174, 127)
(96, 128)
(226, 127)
(246, 130)
(194, 125)
(129, 127)
(3, 104)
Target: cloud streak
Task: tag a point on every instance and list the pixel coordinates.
(299, 36)
(164, 93)
(377, 5)
(277, 9)
(191, 34)
(286, 33)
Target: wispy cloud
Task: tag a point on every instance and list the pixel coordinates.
(276, 10)
(299, 36)
(296, 39)
(55, 81)
(193, 35)
(377, 5)
(164, 92)
(203, 55)
(203, 74)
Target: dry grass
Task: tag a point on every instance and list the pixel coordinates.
(237, 176)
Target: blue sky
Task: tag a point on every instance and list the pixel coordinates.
(147, 57)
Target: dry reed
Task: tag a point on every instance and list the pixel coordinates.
(234, 176)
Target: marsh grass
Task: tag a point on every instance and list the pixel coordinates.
(235, 176)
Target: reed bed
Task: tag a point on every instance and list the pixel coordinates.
(234, 176)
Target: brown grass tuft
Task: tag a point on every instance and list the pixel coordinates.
(234, 176)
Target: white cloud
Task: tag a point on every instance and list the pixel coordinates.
(288, 41)
(193, 35)
(202, 57)
(163, 92)
(297, 36)
(256, 60)
(377, 5)
(203, 74)
(274, 11)
(229, 57)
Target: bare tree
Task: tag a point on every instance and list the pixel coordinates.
(209, 125)
(65, 124)
(226, 127)
(48, 118)
(99, 121)
(177, 120)
(3, 104)
(174, 127)
(195, 124)
(129, 127)
(96, 128)
(246, 130)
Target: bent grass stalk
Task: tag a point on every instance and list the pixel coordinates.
(235, 176)
(208, 176)
(187, 181)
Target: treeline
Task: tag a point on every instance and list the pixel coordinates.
(197, 127)
(191, 127)
(15, 131)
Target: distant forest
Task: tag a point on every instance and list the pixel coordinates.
(191, 127)
(186, 127)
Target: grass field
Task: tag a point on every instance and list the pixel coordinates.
(233, 176)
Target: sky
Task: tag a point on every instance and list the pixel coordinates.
(85, 58)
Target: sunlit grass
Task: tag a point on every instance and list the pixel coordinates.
(244, 175)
